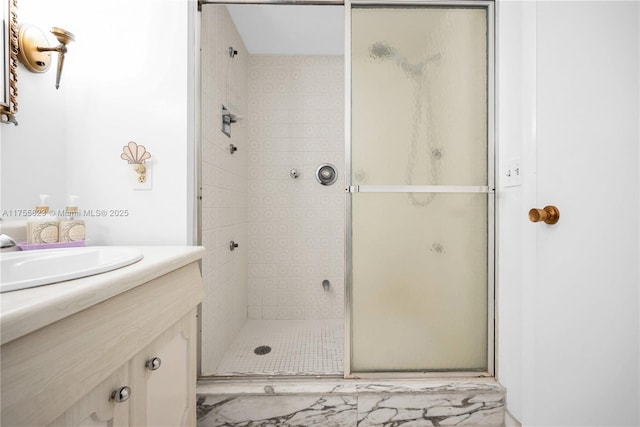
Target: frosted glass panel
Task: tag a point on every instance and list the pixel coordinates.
(419, 282)
(419, 96)
(419, 261)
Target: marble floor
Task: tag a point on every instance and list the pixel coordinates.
(297, 347)
(349, 403)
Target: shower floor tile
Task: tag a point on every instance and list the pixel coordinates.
(298, 347)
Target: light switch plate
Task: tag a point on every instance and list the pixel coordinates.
(512, 174)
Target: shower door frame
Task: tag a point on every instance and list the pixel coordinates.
(489, 6)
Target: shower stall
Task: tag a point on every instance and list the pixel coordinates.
(346, 189)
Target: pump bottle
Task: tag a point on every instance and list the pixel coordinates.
(71, 228)
(42, 227)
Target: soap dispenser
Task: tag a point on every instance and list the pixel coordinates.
(42, 227)
(71, 228)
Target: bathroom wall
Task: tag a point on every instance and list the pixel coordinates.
(296, 226)
(224, 185)
(125, 78)
(514, 117)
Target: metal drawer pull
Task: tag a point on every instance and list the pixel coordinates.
(153, 364)
(121, 395)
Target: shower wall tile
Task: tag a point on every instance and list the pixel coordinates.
(295, 226)
(224, 186)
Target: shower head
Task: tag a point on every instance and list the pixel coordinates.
(382, 51)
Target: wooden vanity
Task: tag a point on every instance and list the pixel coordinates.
(115, 349)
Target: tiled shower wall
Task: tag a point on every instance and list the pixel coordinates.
(295, 226)
(224, 186)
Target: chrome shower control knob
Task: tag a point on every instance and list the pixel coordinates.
(153, 364)
(326, 174)
(121, 395)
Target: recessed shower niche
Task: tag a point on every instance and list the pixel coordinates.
(395, 274)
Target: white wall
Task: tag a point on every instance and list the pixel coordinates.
(511, 120)
(34, 153)
(568, 294)
(125, 79)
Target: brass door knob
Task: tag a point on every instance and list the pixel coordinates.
(549, 214)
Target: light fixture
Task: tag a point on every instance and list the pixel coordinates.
(34, 51)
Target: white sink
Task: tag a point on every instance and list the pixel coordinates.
(21, 270)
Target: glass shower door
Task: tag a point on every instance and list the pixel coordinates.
(421, 188)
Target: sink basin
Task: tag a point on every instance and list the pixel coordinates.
(21, 270)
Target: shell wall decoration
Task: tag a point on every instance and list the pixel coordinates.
(134, 153)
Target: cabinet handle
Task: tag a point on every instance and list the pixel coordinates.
(121, 395)
(153, 364)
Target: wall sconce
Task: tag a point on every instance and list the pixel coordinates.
(136, 155)
(34, 50)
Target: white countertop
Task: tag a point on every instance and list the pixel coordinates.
(27, 310)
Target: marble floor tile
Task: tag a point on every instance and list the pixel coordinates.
(298, 411)
(351, 403)
(393, 409)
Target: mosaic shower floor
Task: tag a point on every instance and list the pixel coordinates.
(297, 347)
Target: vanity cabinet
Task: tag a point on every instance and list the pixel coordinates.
(72, 372)
(95, 409)
(163, 378)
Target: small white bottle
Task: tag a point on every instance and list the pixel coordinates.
(42, 227)
(71, 228)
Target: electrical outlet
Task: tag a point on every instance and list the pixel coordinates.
(141, 181)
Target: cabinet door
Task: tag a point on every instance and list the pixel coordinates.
(98, 409)
(165, 392)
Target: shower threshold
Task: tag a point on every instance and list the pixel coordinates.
(347, 402)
